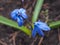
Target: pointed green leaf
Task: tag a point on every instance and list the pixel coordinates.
(24, 29)
(14, 24)
(37, 10)
(55, 24)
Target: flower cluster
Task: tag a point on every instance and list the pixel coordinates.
(19, 15)
(39, 27)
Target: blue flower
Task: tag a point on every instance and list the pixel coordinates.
(19, 15)
(39, 27)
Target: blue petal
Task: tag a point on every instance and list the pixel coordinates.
(24, 15)
(14, 14)
(20, 21)
(42, 26)
(40, 32)
(34, 31)
(22, 10)
(45, 28)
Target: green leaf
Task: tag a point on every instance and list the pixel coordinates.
(14, 24)
(24, 29)
(37, 10)
(55, 24)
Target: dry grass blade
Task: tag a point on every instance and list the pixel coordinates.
(13, 37)
(41, 39)
(34, 41)
(3, 43)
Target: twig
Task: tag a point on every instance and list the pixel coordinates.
(33, 3)
(41, 39)
(34, 41)
(57, 17)
(3, 43)
(13, 37)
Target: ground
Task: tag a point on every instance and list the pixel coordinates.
(12, 36)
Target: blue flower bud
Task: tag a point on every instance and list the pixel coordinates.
(37, 30)
(19, 15)
(39, 27)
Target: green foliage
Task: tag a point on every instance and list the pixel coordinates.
(34, 18)
(14, 24)
(55, 24)
(37, 10)
(24, 29)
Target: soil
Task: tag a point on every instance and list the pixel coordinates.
(13, 36)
